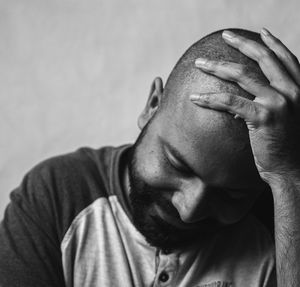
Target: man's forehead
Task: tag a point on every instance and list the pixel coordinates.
(191, 118)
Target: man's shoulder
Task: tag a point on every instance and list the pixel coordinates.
(85, 165)
(59, 188)
(80, 159)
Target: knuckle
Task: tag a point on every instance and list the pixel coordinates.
(281, 103)
(266, 54)
(213, 66)
(254, 109)
(244, 43)
(295, 94)
(240, 72)
(223, 64)
(269, 113)
(265, 115)
(229, 100)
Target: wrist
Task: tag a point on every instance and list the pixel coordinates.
(281, 175)
(282, 181)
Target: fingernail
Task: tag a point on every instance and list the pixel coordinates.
(228, 35)
(194, 97)
(201, 62)
(265, 32)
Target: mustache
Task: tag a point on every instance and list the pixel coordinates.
(144, 195)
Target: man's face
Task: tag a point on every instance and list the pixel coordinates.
(189, 176)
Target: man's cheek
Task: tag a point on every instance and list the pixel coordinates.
(155, 174)
(148, 167)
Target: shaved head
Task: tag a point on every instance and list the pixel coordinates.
(185, 77)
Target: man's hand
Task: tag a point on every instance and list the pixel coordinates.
(273, 121)
(273, 117)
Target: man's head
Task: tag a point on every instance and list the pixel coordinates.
(191, 170)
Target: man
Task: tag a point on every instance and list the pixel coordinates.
(174, 209)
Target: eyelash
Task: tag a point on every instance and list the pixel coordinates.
(181, 170)
(187, 173)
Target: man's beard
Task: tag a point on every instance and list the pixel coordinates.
(157, 231)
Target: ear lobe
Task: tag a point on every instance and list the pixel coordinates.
(153, 102)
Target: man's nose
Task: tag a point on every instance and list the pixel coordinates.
(191, 201)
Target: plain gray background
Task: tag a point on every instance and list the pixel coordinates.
(77, 73)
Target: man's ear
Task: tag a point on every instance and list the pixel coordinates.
(153, 102)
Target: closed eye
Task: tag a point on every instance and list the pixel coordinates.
(176, 164)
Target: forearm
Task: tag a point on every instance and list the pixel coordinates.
(286, 194)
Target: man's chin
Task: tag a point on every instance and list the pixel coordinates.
(165, 235)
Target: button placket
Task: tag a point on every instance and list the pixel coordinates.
(167, 269)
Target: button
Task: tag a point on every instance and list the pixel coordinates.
(163, 277)
(166, 251)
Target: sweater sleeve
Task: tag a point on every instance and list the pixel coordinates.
(29, 246)
(41, 211)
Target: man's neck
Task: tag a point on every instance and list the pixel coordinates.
(125, 183)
